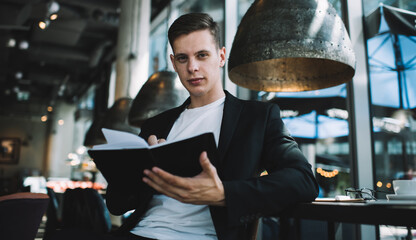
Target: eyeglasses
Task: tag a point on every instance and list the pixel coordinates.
(362, 193)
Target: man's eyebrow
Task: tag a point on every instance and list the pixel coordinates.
(196, 53)
(180, 55)
(202, 51)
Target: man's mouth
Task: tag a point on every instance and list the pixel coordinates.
(195, 81)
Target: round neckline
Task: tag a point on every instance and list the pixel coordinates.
(213, 104)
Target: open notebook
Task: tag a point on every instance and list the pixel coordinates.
(125, 156)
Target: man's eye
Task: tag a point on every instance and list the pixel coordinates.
(202, 55)
(181, 59)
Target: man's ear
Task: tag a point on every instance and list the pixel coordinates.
(222, 57)
(172, 59)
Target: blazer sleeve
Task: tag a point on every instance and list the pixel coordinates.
(289, 180)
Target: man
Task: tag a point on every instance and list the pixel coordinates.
(223, 200)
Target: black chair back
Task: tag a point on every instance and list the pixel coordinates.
(53, 221)
(85, 209)
(21, 215)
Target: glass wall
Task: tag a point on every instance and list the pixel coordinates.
(215, 8)
(318, 120)
(392, 72)
(158, 48)
(391, 59)
(370, 5)
(243, 5)
(159, 45)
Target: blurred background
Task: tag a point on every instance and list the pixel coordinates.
(70, 67)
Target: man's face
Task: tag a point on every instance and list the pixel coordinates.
(198, 61)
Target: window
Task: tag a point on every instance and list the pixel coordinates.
(318, 120)
(391, 58)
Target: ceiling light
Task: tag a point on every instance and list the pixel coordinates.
(81, 150)
(114, 118)
(44, 118)
(61, 90)
(18, 75)
(11, 43)
(53, 17)
(161, 91)
(23, 45)
(23, 95)
(290, 46)
(53, 7)
(50, 108)
(44, 24)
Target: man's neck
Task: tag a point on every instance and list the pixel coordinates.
(205, 100)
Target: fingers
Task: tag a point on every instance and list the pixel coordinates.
(204, 188)
(166, 185)
(161, 177)
(159, 188)
(203, 159)
(152, 140)
(206, 164)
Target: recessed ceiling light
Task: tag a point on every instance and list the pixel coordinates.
(11, 43)
(53, 7)
(18, 75)
(23, 45)
(53, 16)
(44, 24)
(23, 95)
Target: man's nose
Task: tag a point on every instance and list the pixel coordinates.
(193, 65)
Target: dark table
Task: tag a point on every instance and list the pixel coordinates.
(381, 212)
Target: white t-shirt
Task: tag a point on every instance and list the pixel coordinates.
(168, 218)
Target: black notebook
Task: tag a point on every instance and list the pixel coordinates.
(123, 159)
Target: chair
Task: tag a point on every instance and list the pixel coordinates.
(85, 209)
(53, 221)
(84, 216)
(21, 215)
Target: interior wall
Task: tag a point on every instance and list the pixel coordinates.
(44, 145)
(31, 132)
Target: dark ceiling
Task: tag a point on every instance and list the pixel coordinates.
(39, 67)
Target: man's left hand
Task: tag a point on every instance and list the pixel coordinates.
(205, 188)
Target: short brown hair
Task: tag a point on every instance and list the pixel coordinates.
(192, 22)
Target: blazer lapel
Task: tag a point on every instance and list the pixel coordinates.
(171, 118)
(232, 110)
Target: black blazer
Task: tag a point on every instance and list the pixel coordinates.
(253, 138)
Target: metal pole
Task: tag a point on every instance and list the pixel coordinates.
(399, 66)
(359, 105)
